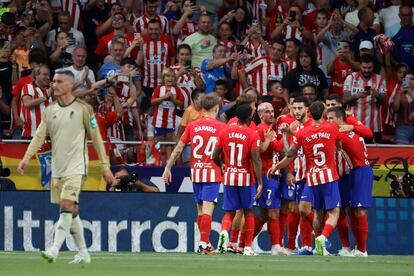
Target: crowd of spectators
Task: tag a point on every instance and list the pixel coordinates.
(143, 64)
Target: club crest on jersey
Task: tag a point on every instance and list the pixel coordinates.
(93, 122)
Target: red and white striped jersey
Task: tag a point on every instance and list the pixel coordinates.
(299, 164)
(238, 90)
(264, 69)
(32, 117)
(237, 141)
(289, 32)
(73, 7)
(291, 64)
(344, 164)
(115, 130)
(367, 110)
(141, 23)
(164, 112)
(354, 146)
(124, 93)
(188, 28)
(229, 45)
(258, 11)
(203, 135)
(186, 80)
(271, 155)
(319, 147)
(157, 56)
(256, 51)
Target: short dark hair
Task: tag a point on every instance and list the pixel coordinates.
(244, 112)
(294, 40)
(339, 112)
(154, 21)
(222, 82)
(363, 12)
(65, 72)
(271, 83)
(367, 58)
(127, 61)
(184, 46)
(195, 94)
(333, 97)
(209, 101)
(279, 41)
(309, 84)
(316, 109)
(37, 55)
(301, 99)
(324, 12)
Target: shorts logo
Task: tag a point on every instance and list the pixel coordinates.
(268, 202)
(290, 193)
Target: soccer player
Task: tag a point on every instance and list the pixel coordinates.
(206, 176)
(344, 166)
(68, 122)
(319, 145)
(361, 181)
(269, 202)
(294, 185)
(241, 148)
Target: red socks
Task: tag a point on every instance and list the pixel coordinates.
(274, 230)
(362, 229)
(234, 236)
(282, 226)
(306, 230)
(199, 221)
(317, 233)
(258, 225)
(205, 228)
(293, 224)
(327, 230)
(354, 224)
(248, 229)
(226, 221)
(343, 229)
(242, 239)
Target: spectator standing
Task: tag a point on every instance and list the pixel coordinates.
(404, 39)
(83, 76)
(186, 25)
(141, 24)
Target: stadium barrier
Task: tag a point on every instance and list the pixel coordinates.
(387, 161)
(163, 222)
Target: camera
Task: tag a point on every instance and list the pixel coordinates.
(187, 64)
(125, 181)
(403, 186)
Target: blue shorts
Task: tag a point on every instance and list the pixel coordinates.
(236, 198)
(291, 192)
(158, 131)
(306, 194)
(270, 198)
(345, 190)
(206, 191)
(326, 196)
(362, 179)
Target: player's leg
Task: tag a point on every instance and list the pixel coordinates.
(343, 226)
(236, 227)
(305, 221)
(283, 217)
(65, 192)
(209, 196)
(246, 203)
(77, 232)
(293, 224)
(231, 203)
(330, 200)
(361, 198)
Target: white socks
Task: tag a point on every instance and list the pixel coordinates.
(62, 228)
(76, 230)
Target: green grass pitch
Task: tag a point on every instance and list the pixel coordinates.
(117, 264)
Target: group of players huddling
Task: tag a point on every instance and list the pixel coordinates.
(308, 168)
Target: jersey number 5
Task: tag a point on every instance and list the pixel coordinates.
(320, 158)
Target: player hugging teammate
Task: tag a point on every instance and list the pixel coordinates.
(333, 178)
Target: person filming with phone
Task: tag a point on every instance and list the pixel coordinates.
(365, 92)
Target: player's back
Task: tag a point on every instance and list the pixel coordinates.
(237, 141)
(354, 146)
(319, 146)
(203, 135)
(233, 121)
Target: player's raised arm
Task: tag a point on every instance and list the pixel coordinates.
(166, 176)
(35, 145)
(289, 158)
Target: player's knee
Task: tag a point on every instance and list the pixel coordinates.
(66, 204)
(273, 214)
(304, 210)
(359, 212)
